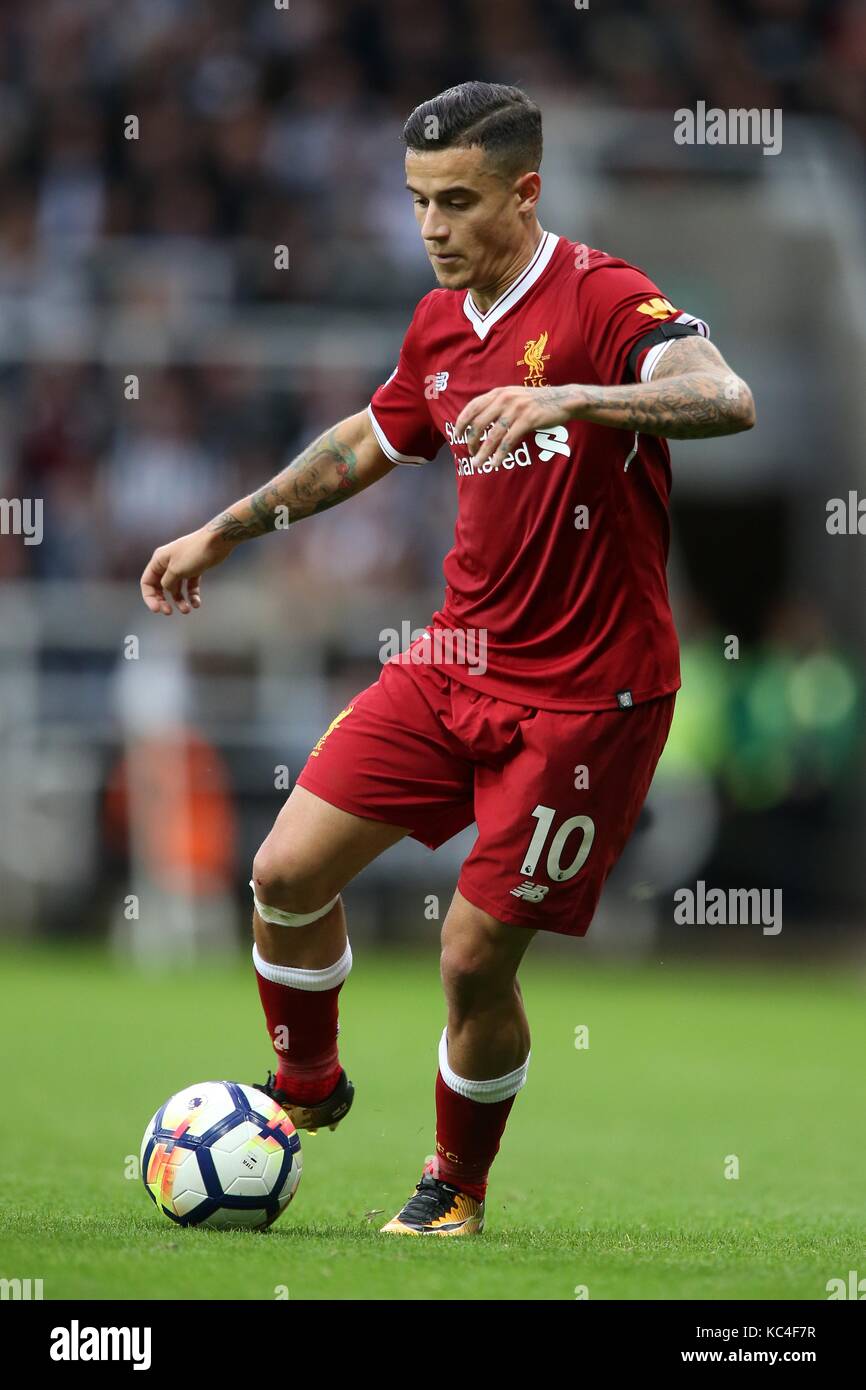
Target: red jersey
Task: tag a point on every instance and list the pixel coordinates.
(556, 582)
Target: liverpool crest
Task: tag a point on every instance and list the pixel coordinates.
(534, 358)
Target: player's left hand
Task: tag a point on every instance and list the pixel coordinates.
(514, 412)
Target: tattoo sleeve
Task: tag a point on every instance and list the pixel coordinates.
(693, 394)
(325, 474)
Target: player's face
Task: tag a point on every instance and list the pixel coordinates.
(472, 219)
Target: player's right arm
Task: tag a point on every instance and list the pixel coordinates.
(340, 463)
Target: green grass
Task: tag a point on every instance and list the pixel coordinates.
(611, 1173)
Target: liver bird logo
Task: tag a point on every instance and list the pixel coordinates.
(534, 358)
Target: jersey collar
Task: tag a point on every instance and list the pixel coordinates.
(482, 323)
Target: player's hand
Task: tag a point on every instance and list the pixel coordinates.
(514, 412)
(174, 571)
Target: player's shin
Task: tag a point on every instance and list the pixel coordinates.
(301, 1009)
(470, 1120)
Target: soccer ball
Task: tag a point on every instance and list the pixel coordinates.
(221, 1154)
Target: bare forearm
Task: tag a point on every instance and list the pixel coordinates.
(339, 464)
(694, 405)
(327, 472)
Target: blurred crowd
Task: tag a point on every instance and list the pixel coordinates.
(253, 117)
(152, 155)
(118, 478)
(256, 125)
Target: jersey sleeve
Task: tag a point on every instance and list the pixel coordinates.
(628, 324)
(399, 410)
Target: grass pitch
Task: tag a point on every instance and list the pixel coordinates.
(611, 1176)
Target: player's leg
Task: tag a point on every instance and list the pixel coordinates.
(312, 852)
(488, 1031)
(384, 768)
(302, 955)
(483, 1062)
(553, 816)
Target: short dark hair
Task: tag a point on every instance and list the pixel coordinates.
(502, 120)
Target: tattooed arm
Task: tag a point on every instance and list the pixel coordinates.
(339, 464)
(693, 394)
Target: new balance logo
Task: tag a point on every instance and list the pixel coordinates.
(530, 892)
(435, 384)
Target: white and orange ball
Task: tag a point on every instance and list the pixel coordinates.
(221, 1154)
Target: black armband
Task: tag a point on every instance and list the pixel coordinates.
(659, 335)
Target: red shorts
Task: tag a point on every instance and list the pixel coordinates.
(555, 793)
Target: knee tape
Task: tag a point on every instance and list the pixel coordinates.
(278, 918)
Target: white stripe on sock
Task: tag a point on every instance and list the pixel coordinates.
(498, 1088)
(305, 979)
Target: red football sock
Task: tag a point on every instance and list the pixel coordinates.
(468, 1133)
(303, 1026)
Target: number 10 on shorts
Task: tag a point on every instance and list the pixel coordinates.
(545, 816)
